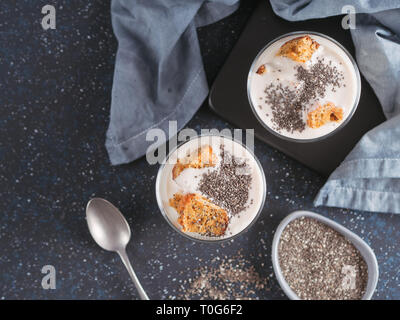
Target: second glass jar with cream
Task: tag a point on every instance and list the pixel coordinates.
(303, 86)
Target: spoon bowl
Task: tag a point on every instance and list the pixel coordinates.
(107, 225)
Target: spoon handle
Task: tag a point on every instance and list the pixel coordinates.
(139, 288)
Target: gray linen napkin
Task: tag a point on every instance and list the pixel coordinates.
(158, 74)
(369, 177)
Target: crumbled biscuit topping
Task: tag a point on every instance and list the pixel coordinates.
(200, 215)
(201, 158)
(261, 69)
(324, 114)
(299, 49)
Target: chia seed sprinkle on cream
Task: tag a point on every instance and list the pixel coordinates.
(319, 263)
(228, 186)
(288, 104)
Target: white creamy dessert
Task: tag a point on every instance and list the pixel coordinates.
(282, 71)
(192, 180)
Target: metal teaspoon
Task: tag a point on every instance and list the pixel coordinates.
(111, 231)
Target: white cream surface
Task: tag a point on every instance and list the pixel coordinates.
(188, 182)
(344, 97)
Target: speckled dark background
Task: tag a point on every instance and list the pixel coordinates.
(55, 96)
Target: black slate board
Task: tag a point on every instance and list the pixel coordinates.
(228, 96)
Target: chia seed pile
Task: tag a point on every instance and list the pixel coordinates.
(224, 278)
(314, 258)
(288, 104)
(229, 185)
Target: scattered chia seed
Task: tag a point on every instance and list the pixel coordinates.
(286, 112)
(288, 104)
(317, 79)
(225, 278)
(228, 186)
(315, 260)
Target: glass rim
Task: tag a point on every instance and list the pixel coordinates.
(186, 235)
(353, 109)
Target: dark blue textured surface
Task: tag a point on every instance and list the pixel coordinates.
(55, 99)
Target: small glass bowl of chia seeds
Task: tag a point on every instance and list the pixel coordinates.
(286, 95)
(234, 186)
(315, 258)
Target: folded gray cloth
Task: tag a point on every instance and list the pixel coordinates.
(369, 177)
(159, 74)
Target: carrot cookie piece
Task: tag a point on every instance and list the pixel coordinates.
(299, 49)
(201, 158)
(200, 215)
(324, 114)
(261, 69)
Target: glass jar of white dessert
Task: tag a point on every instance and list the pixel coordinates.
(303, 99)
(233, 182)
